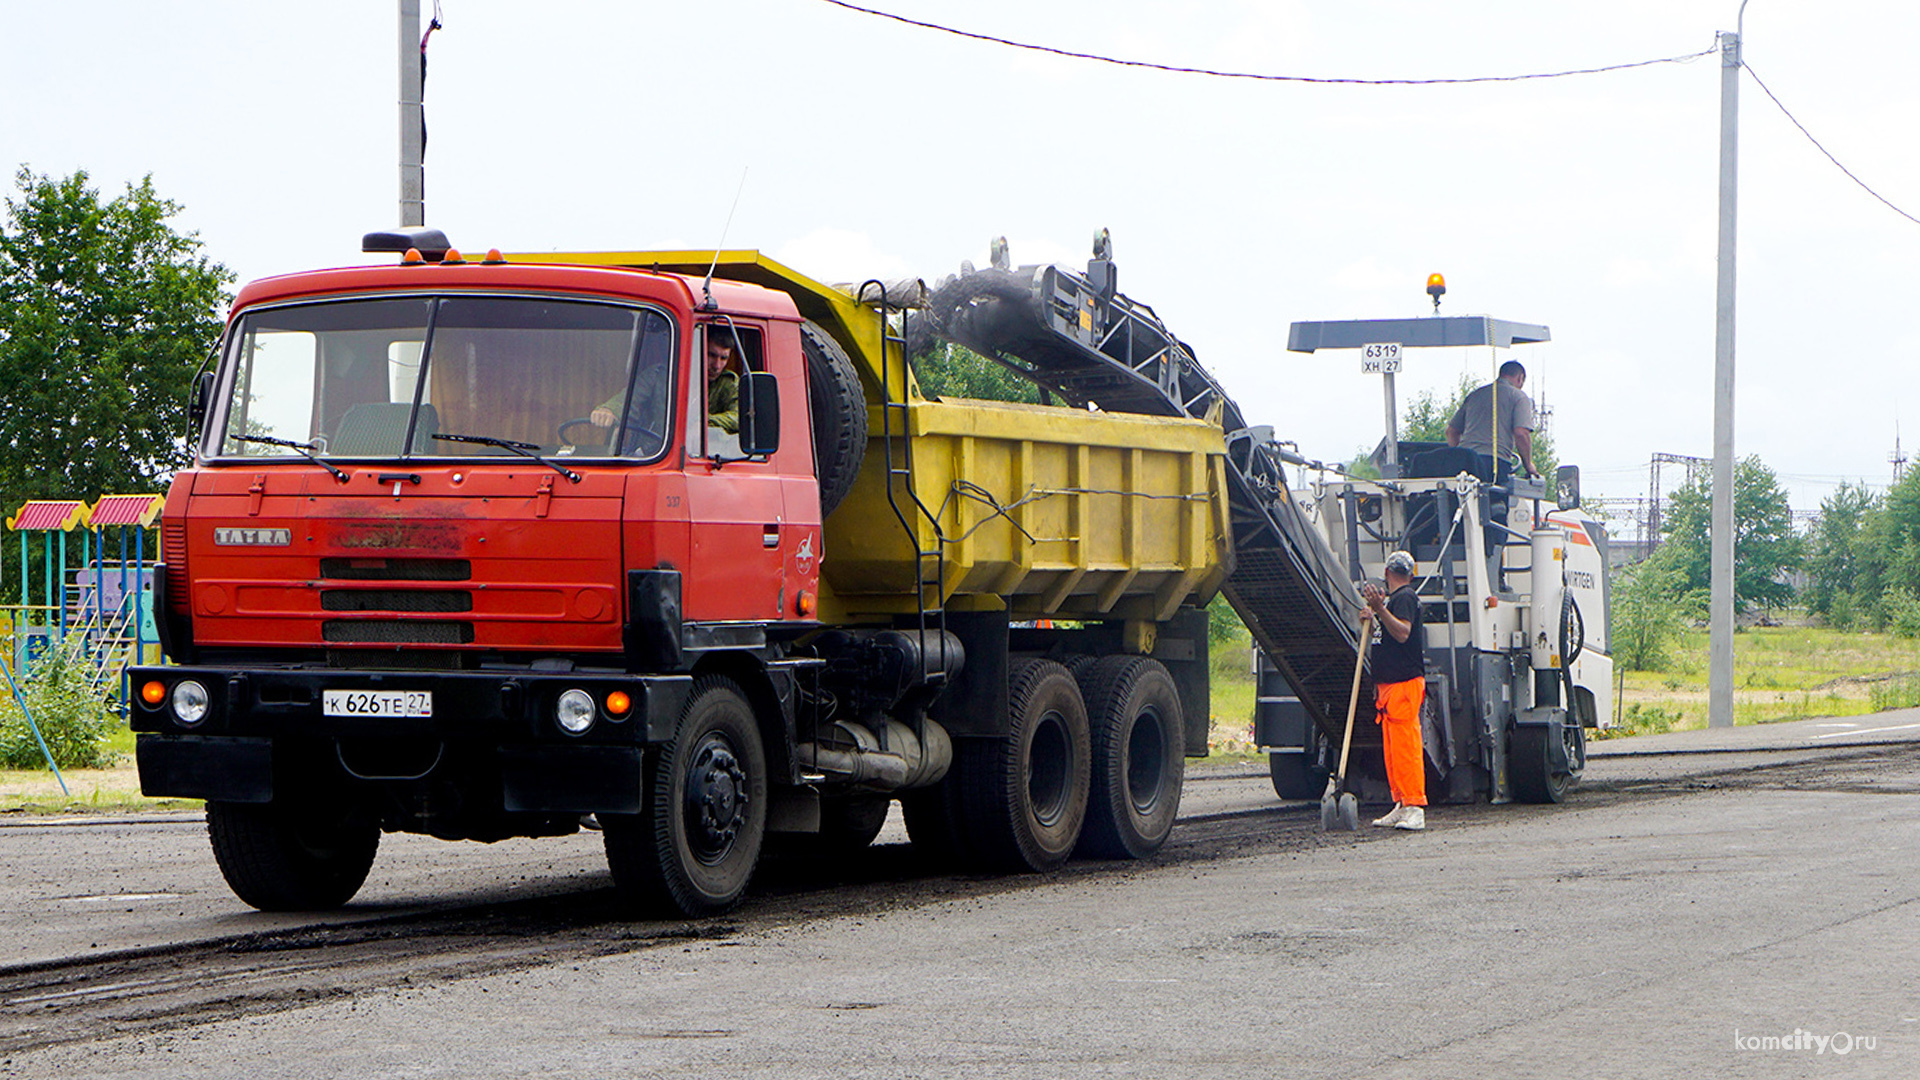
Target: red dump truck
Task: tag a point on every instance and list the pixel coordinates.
(412, 582)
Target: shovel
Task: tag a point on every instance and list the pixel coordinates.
(1339, 809)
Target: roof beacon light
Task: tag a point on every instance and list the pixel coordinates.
(1436, 288)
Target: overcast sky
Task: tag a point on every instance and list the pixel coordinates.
(871, 148)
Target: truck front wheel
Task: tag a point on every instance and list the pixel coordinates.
(291, 858)
(694, 845)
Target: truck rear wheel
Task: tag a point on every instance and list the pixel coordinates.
(694, 845)
(849, 823)
(291, 858)
(1139, 757)
(839, 415)
(1025, 796)
(932, 816)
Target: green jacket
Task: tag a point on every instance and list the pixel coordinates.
(723, 402)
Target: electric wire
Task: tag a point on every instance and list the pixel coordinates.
(1784, 111)
(1212, 73)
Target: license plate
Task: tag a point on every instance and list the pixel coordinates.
(377, 703)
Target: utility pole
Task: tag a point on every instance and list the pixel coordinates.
(413, 132)
(1720, 559)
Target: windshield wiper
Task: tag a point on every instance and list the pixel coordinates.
(304, 448)
(525, 450)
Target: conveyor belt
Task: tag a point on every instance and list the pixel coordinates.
(1085, 343)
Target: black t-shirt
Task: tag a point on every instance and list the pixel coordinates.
(1398, 661)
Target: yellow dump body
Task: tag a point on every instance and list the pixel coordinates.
(1051, 512)
(1047, 511)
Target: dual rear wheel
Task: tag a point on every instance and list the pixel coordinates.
(1092, 765)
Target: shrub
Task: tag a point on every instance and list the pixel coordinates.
(1649, 613)
(1894, 694)
(1903, 611)
(1647, 720)
(73, 717)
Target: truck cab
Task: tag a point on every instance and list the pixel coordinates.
(412, 581)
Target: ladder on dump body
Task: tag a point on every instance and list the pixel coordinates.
(929, 564)
(1079, 339)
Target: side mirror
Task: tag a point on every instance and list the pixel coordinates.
(759, 413)
(197, 401)
(1566, 487)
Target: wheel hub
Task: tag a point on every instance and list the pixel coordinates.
(716, 801)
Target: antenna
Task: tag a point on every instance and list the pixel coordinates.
(706, 287)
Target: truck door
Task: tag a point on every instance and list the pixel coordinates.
(735, 505)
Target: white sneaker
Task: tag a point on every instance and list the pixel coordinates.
(1414, 820)
(1392, 817)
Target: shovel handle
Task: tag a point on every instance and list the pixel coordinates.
(1353, 700)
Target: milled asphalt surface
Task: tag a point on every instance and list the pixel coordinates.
(1679, 909)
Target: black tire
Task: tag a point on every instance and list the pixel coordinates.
(1295, 776)
(1139, 757)
(1025, 796)
(694, 846)
(1528, 768)
(839, 415)
(291, 858)
(932, 817)
(849, 823)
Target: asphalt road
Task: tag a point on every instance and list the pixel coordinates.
(1746, 912)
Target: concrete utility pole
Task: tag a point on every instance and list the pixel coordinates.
(1720, 558)
(413, 133)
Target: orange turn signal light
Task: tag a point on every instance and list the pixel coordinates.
(618, 703)
(803, 604)
(153, 693)
(453, 258)
(494, 258)
(413, 258)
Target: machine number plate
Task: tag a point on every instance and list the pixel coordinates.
(377, 703)
(1380, 359)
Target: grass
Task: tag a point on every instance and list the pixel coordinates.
(115, 789)
(1230, 728)
(1779, 673)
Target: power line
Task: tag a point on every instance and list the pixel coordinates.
(1178, 70)
(1816, 145)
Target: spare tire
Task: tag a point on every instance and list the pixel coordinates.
(839, 415)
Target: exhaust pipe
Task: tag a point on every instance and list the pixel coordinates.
(855, 755)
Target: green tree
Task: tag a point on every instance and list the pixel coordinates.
(106, 311)
(1426, 415)
(1650, 609)
(1765, 547)
(1886, 566)
(1834, 554)
(949, 370)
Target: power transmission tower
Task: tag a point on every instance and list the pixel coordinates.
(1656, 506)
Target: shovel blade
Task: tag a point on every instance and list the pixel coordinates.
(1349, 812)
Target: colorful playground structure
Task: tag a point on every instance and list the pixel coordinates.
(84, 589)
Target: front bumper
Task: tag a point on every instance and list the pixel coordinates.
(491, 736)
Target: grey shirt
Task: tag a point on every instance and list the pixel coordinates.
(1475, 420)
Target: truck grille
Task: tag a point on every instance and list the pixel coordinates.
(396, 632)
(397, 570)
(173, 552)
(421, 600)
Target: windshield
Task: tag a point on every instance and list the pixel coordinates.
(343, 378)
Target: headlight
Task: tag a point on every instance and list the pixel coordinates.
(574, 712)
(189, 703)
